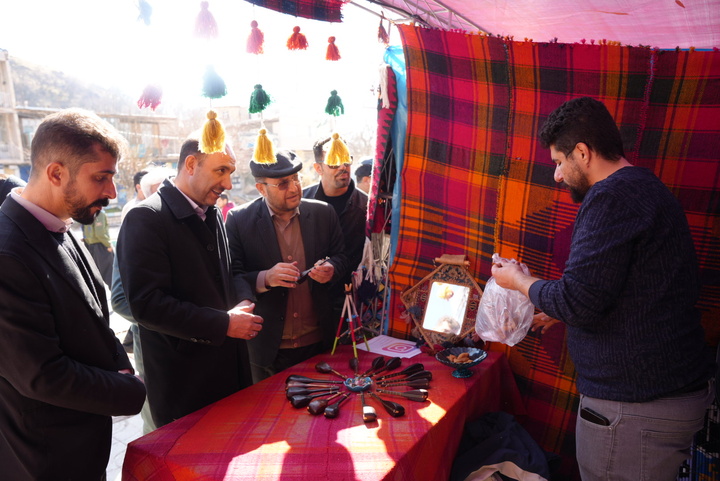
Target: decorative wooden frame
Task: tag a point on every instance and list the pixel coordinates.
(453, 272)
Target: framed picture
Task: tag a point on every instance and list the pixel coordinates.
(444, 304)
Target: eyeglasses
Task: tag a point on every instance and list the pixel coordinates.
(285, 184)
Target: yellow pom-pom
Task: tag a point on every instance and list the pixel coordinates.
(338, 153)
(264, 153)
(213, 135)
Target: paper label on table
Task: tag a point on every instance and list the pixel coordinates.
(389, 346)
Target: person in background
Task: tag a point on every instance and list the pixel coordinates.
(97, 240)
(175, 270)
(363, 175)
(138, 194)
(627, 297)
(337, 188)
(63, 373)
(152, 182)
(149, 185)
(8, 183)
(272, 240)
(224, 205)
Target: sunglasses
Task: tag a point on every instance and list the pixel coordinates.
(285, 184)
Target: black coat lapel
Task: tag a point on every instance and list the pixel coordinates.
(42, 242)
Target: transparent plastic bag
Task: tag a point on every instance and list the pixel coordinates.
(503, 315)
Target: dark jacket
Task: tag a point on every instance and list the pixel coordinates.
(175, 270)
(59, 359)
(6, 185)
(352, 223)
(254, 248)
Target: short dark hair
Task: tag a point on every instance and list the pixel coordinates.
(583, 120)
(318, 150)
(70, 137)
(138, 176)
(191, 146)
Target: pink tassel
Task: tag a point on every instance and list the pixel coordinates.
(255, 40)
(205, 25)
(151, 96)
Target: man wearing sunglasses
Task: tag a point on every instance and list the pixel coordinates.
(273, 240)
(337, 188)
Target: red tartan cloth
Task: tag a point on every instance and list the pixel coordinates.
(476, 181)
(257, 435)
(325, 10)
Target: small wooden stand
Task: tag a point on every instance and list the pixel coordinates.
(349, 314)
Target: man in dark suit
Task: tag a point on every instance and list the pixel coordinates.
(273, 239)
(175, 269)
(63, 373)
(337, 188)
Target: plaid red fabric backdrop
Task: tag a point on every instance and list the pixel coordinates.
(325, 10)
(476, 181)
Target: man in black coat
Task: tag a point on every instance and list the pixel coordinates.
(273, 239)
(175, 269)
(63, 373)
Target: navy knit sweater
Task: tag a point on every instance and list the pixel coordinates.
(628, 293)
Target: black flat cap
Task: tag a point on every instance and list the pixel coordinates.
(286, 164)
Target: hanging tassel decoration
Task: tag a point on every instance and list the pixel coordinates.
(213, 85)
(259, 100)
(255, 39)
(145, 11)
(151, 97)
(383, 36)
(332, 51)
(338, 153)
(205, 25)
(334, 105)
(264, 152)
(212, 138)
(297, 40)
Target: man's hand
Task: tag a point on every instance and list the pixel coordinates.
(543, 322)
(511, 276)
(322, 273)
(243, 323)
(282, 274)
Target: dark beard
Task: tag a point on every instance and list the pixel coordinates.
(84, 214)
(577, 195)
(79, 212)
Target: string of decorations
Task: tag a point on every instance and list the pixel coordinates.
(214, 87)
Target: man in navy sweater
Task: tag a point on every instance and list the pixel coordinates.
(627, 297)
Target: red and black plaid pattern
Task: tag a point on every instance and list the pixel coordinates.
(325, 10)
(476, 181)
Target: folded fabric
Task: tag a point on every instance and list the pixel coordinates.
(496, 443)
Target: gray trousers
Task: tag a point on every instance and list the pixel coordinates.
(644, 441)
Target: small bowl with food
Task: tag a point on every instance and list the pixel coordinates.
(461, 359)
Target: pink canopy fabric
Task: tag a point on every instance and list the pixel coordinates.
(663, 24)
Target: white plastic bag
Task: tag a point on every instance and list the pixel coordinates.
(504, 315)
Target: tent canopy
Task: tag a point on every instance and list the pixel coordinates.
(667, 24)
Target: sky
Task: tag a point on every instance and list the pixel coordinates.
(103, 42)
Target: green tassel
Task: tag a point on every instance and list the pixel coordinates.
(334, 105)
(213, 85)
(259, 100)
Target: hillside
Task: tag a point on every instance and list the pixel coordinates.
(37, 86)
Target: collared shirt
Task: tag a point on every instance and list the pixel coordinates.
(301, 327)
(199, 210)
(50, 221)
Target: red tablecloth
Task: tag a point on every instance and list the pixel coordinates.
(256, 434)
